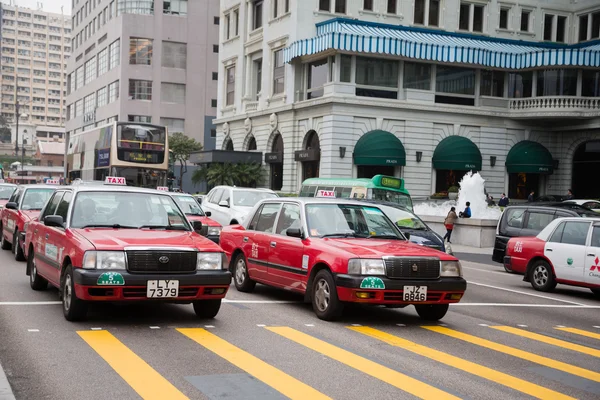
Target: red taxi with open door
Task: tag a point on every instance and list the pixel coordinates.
(118, 243)
(335, 252)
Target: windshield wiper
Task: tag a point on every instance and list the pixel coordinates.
(384, 237)
(339, 234)
(114, 226)
(165, 227)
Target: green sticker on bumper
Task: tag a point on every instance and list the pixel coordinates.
(372, 283)
(570, 261)
(111, 278)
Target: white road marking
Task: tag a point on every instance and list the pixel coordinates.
(523, 305)
(483, 324)
(155, 327)
(309, 324)
(522, 326)
(442, 325)
(525, 293)
(260, 325)
(484, 270)
(597, 326)
(401, 325)
(209, 326)
(96, 329)
(29, 303)
(262, 301)
(559, 326)
(33, 330)
(356, 325)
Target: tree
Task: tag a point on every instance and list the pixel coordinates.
(248, 174)
(5, 134)
(182, 146)
(221, 174)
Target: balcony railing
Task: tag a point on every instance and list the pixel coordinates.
(561, 103)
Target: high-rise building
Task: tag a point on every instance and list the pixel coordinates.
(426, 90)
(36, 46)
(149, 61)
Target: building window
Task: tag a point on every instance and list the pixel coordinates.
(325, 5)
(455, 85)
(174, 55)
(213, 133)
(340, 6)
(230, 86)
(427, 12)
(140, 118)
(90, 70)
(275, 8)
(376, 77)
(520, 84)
(175, 7)
(554, 28)
(492, 83)
(316, 78)
(278, 72)
(114, 54)
(232, 23)
(257, 14)
(89, 104)
(213, 103)
(78, 108)
(417, 76)
(101, 97)
(144, 7)
(215, 76)
(172, 93)
(173, 124)
(140, 90)
(471, 17)
(79, 78)
(525, 16)
(140, 51)
(113, 91)
(368, 5)
(504, 12)
(215, 48)
(591, 83)
(102, 61)
(589, 26)
(392, 6)
(557, 82)
(216, 20)
(257, 67)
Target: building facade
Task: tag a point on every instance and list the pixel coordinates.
(36, 46)
(149, 61)
(426, 90)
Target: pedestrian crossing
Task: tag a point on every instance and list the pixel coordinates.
(150, 384)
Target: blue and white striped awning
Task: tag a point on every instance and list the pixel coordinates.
(424, 44)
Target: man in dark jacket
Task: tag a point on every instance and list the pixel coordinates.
(530, 198)
(503, 202)
(569, 195)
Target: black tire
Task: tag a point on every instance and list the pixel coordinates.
(596, 292)
(207, 308)
(324, 298)
(74, 309)
(241, 279)
(542, 277)
(234, 222)
(431, 312)
(35, 281)
(17, 250)
(4, 245)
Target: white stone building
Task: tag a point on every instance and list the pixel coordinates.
(421, 89)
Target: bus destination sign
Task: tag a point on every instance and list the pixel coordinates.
(140, 157)
(391, 182)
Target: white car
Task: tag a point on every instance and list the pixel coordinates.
(230, 205)
(591, 204)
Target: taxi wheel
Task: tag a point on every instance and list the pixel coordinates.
(74, 309)
(35, 281)
(431, 312)
(541, 276)
(4, 245)
(325, 301)
(207, 308)
(242, 280)
(17, 250)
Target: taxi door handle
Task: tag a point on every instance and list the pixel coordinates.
(47, 235)
(245, 239)
(548, 249)
(591, 255)
(273, 244)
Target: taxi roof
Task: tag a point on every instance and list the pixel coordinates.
(319, 200)
(113, 188)
(39, 185)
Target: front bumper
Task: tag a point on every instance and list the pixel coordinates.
(197, 286)
(439, 291)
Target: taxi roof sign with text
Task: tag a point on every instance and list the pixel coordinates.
(162, 188)
(115, 180)
(52, 182)
(326, 193)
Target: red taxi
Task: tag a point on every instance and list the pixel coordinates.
(118, 243)
(210, 228)
(335, 252)
(567, 251)
(6, 191)
(23, 206)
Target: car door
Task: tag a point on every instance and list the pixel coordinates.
(46, 258)
(55, 237)
(566, 249)
(9, 216)
(213, 207)
(536, 221)
(288, 266)
(592, 259)
(257, 242)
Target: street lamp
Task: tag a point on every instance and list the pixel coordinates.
(17, 116)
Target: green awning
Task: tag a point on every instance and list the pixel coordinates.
(379, 148)
(457, 153)
(529, 157)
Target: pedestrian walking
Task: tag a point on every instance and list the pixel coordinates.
(570, 195)
(503, 202)
(449, 223)
(530, 197)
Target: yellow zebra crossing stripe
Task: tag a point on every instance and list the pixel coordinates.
(142, 378)
(549, 340)
(467, 366)
(378, 371)
(581, 332)
(277, 379)
(525, 355)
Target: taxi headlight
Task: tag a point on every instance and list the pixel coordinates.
(366, 266)
(104, 260)
(450, 268)
(213, 231)
(209, 261)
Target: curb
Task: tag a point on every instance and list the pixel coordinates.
(6, 392)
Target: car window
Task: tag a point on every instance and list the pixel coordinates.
(308, 191)
(249, 198)
(35, 199)
(63, 206)
(266, 219)
(16, 197)
(343, 192)
(575, 233)
(537, 221)
(189, 205)
(226, 196)
(514, 217)
(557, 235)
(6, 192)
(289, 218)
(592, 204)
(52, 204)
(216, 196)
(595, 236)
(252, 224)
(404, 219)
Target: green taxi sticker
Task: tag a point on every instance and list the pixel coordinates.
(111, 278)
(570, 261)
(372, 283)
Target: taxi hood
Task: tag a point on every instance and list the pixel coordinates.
(205, 220)
(376, 248)
(118, 239)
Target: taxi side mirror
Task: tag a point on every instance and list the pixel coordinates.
(54, 220)
(207, 213)
(11, 205)
(294, 232)
(224, 203)
(197, 225)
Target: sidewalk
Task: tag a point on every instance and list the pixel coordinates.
(5, 390)
(458, 248)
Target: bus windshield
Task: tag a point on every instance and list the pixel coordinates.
(393, 197)
(141, 143)
(141, 177)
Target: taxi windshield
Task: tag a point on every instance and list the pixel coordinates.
(35, 199)
(404, 219)
(112, 209)
(189, 205)
(249, 198)
(347, 220)
(6, 192)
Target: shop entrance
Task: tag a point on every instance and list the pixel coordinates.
(586, 169)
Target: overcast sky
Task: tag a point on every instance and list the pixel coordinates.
(48, 5)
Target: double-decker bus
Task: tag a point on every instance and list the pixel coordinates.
(136, 151)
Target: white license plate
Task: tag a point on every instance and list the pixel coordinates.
(162, 289)
(415, 293)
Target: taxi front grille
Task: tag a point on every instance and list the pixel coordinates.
(161, 261)
(412, 268)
